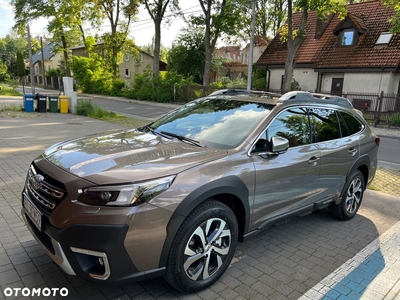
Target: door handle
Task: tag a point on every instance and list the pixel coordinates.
(313, 161)
(352, 151)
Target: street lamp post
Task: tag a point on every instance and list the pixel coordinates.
(251, 50)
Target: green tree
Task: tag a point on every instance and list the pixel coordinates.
(119, 14)
(66, 17)
(220, 17)
(395, 20)
(186, 56)
(293, 37)
(157, 10)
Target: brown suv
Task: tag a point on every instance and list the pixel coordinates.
(173, 198)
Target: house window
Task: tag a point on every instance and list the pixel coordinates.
(347, 37)
(127, 73)
(384, 38)
(126, 57)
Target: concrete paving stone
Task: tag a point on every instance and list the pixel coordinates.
(4, 259)
(20, 258)
(228, 293)
(41, 260)
(123, 297)
(229, 281)
(87, 289)
(33, 280)
(7, 267)
(247, 279)
(132, 289)
(55, 279)
(37, 253)
(263, 289)
(245, 291)
(49, 268)
(26, 269)
(97, 296)
(110, 291)
(8, 277)
(206, 294)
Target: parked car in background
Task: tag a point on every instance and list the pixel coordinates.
(174, 197)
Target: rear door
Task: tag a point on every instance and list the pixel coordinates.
(287, 182)
(339, 149)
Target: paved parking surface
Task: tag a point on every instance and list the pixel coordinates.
(311, 257)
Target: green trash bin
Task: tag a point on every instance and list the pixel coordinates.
(53, 100)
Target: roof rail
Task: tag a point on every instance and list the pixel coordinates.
(296, 96)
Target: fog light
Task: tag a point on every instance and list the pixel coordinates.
(93, 262)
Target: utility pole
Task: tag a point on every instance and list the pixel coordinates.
(43, 68)
(30, 61)
(251, 50)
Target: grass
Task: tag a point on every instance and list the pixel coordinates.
(10, 107)
(88, 109)
(386, 181)
(8, 91)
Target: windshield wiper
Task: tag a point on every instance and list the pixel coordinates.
(148, 128)
(183, 138)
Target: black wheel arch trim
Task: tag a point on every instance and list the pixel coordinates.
(228, 185)
(362, 160)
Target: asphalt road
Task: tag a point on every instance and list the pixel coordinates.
(388, 155)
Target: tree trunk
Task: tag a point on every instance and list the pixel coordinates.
(157, 46)
(293, 44)
(65, 51)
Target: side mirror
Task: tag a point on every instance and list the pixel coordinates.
(279, 145)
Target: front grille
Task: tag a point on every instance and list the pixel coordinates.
(46, 192)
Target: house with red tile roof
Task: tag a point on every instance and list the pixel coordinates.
(237, 59)
(354, 54)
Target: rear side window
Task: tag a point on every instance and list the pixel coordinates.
(325, 124)
(293, 125)
(349, 124)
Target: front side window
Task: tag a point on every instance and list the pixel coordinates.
(324, 124)
(347, 37)
(292, 124)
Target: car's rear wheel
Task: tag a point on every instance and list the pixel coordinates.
(203, 247)
(351, 199)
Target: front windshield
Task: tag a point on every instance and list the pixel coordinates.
(219, 123)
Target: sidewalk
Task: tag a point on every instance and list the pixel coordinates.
(315, 257)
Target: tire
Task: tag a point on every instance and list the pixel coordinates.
(351, 198)
(194, 263)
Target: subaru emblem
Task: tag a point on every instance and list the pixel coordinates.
(36, 181)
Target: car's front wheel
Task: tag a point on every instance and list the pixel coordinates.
(203, 247)
(351, 199)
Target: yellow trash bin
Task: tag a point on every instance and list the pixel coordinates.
(63, 104)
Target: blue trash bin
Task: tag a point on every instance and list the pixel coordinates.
(28, 102)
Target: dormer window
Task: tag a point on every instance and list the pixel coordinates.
(384, 38)
(347, 37)
(349, 31)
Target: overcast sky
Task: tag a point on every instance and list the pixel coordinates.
(142, 31)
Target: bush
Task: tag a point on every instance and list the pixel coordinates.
(84, 108)
(160, 88)
(395, 120)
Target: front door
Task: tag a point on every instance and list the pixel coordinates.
(289, 181)
(337, 86)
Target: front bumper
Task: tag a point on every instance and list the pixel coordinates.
(109, 262)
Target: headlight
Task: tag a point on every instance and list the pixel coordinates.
(125, 195)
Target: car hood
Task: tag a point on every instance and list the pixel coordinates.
(127, 156)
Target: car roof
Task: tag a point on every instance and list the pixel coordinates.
(294, 97)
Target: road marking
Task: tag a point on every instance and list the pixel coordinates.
(361, 275)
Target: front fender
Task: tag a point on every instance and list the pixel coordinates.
(230, 185)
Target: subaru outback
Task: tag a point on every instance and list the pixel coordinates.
(174, 197)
